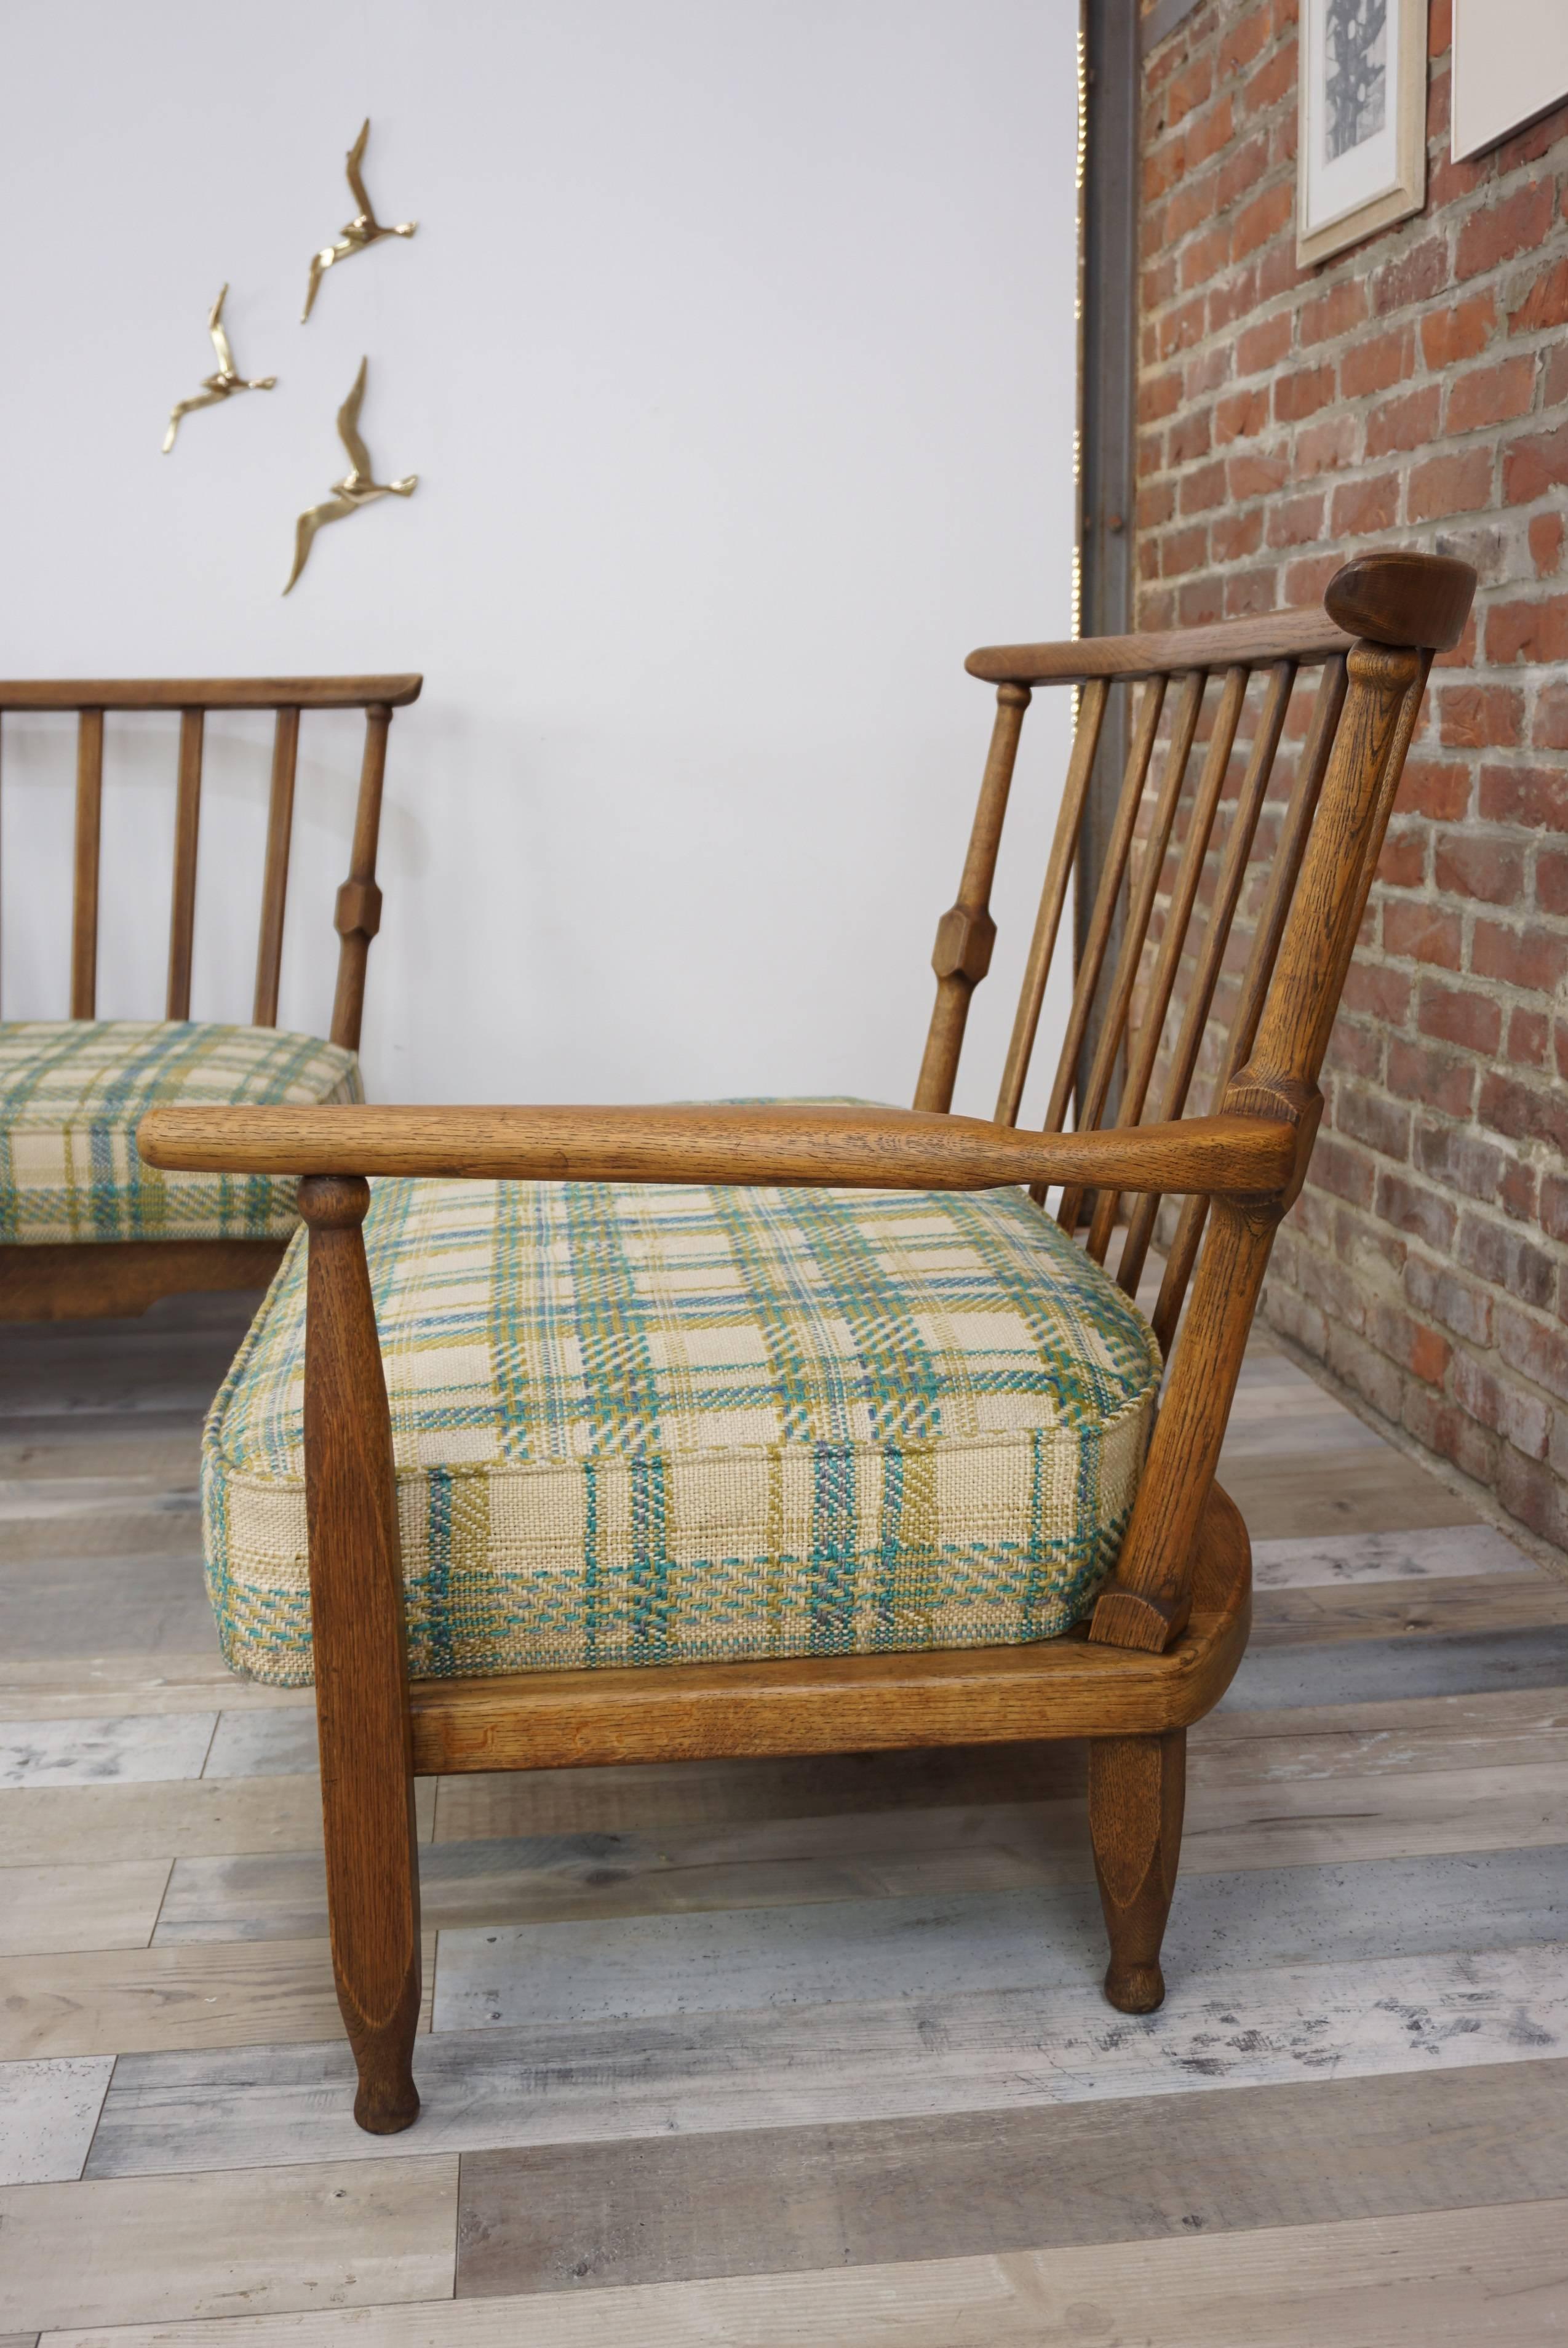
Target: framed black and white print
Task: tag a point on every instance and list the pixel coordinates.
(1362, 145)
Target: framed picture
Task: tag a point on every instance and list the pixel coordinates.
(1362, 145)
(1510, 64)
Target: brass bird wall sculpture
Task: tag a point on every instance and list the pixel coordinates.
(358, 487)
(363, 231)
(221, 385)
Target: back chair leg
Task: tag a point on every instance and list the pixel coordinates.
(1137, 1792)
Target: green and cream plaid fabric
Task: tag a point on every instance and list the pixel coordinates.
(658, 1425)
(72, 1093)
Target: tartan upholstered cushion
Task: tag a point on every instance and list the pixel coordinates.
(650, 1424)
(71, 1095)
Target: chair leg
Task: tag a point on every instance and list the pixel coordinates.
(373, 1903)
(1137, 1791)
(362, 1675)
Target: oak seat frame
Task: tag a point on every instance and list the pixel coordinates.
(64, 1280)
(1168, 1632)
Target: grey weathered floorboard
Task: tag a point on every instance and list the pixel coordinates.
(1344, 1490)
(182, 1816)
(143, 1748)
(672, 2208)
(87, 1450)
(147, 1604)
(793, 2066)
(163, 2249)
(114, 1905)
(1236, 1819)
(1491, 1603)
(49, 2111)
(933, 1949)
(38, 1499)
(1496, 1728)
(1370, 1670)
(1291, 1432)
(263, 1743)
(1442, 1550)
(119, 1684)
(1446, 2279)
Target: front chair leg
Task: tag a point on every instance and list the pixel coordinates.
(361, 1660)
(1137, 1791)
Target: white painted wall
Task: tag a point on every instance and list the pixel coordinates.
(735, 355)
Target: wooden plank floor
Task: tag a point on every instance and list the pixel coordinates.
(805, 2052)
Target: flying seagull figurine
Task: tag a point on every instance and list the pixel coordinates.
(363, 231)
(358, 486)
(221, 385)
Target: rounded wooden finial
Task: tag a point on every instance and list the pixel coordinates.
(1417, 601)
(334, 1202)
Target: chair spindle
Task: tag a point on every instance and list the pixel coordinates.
(84, 889)
(966, 932)
(1090, 1108)
(186, 830)
(275, 877)
(1212, 952)
(1152, 1594)
(1097, 937)
(1303, 805)
(1145, 1045)
(358, 915)
(1052, 896)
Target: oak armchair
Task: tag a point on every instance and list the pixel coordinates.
(1169, 1619)
(84, 1228)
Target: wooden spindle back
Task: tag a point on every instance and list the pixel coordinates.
(358, 911)
(1212, 820)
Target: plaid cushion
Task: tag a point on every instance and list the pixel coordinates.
(72, 1093)
(657, 1425)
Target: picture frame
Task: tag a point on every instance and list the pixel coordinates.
(1510, 65)
(1362, 145)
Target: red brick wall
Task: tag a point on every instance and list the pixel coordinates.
(1413, 391)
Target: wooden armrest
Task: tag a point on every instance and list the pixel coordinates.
(798, 1148)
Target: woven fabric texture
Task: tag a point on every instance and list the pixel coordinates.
(655, 1425)
(73, 1091)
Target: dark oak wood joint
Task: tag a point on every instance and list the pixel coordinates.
(1294, 1101)
(334, 1202)
(965, 941)
(358, 909)
(1134, 1618)
(1421, 601)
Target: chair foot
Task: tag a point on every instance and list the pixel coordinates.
(1134, 1989)
(387, 2101)
(1137, 1791)
(376, 1961)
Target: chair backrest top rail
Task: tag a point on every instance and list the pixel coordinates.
(210, 693)
(1303, 636)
